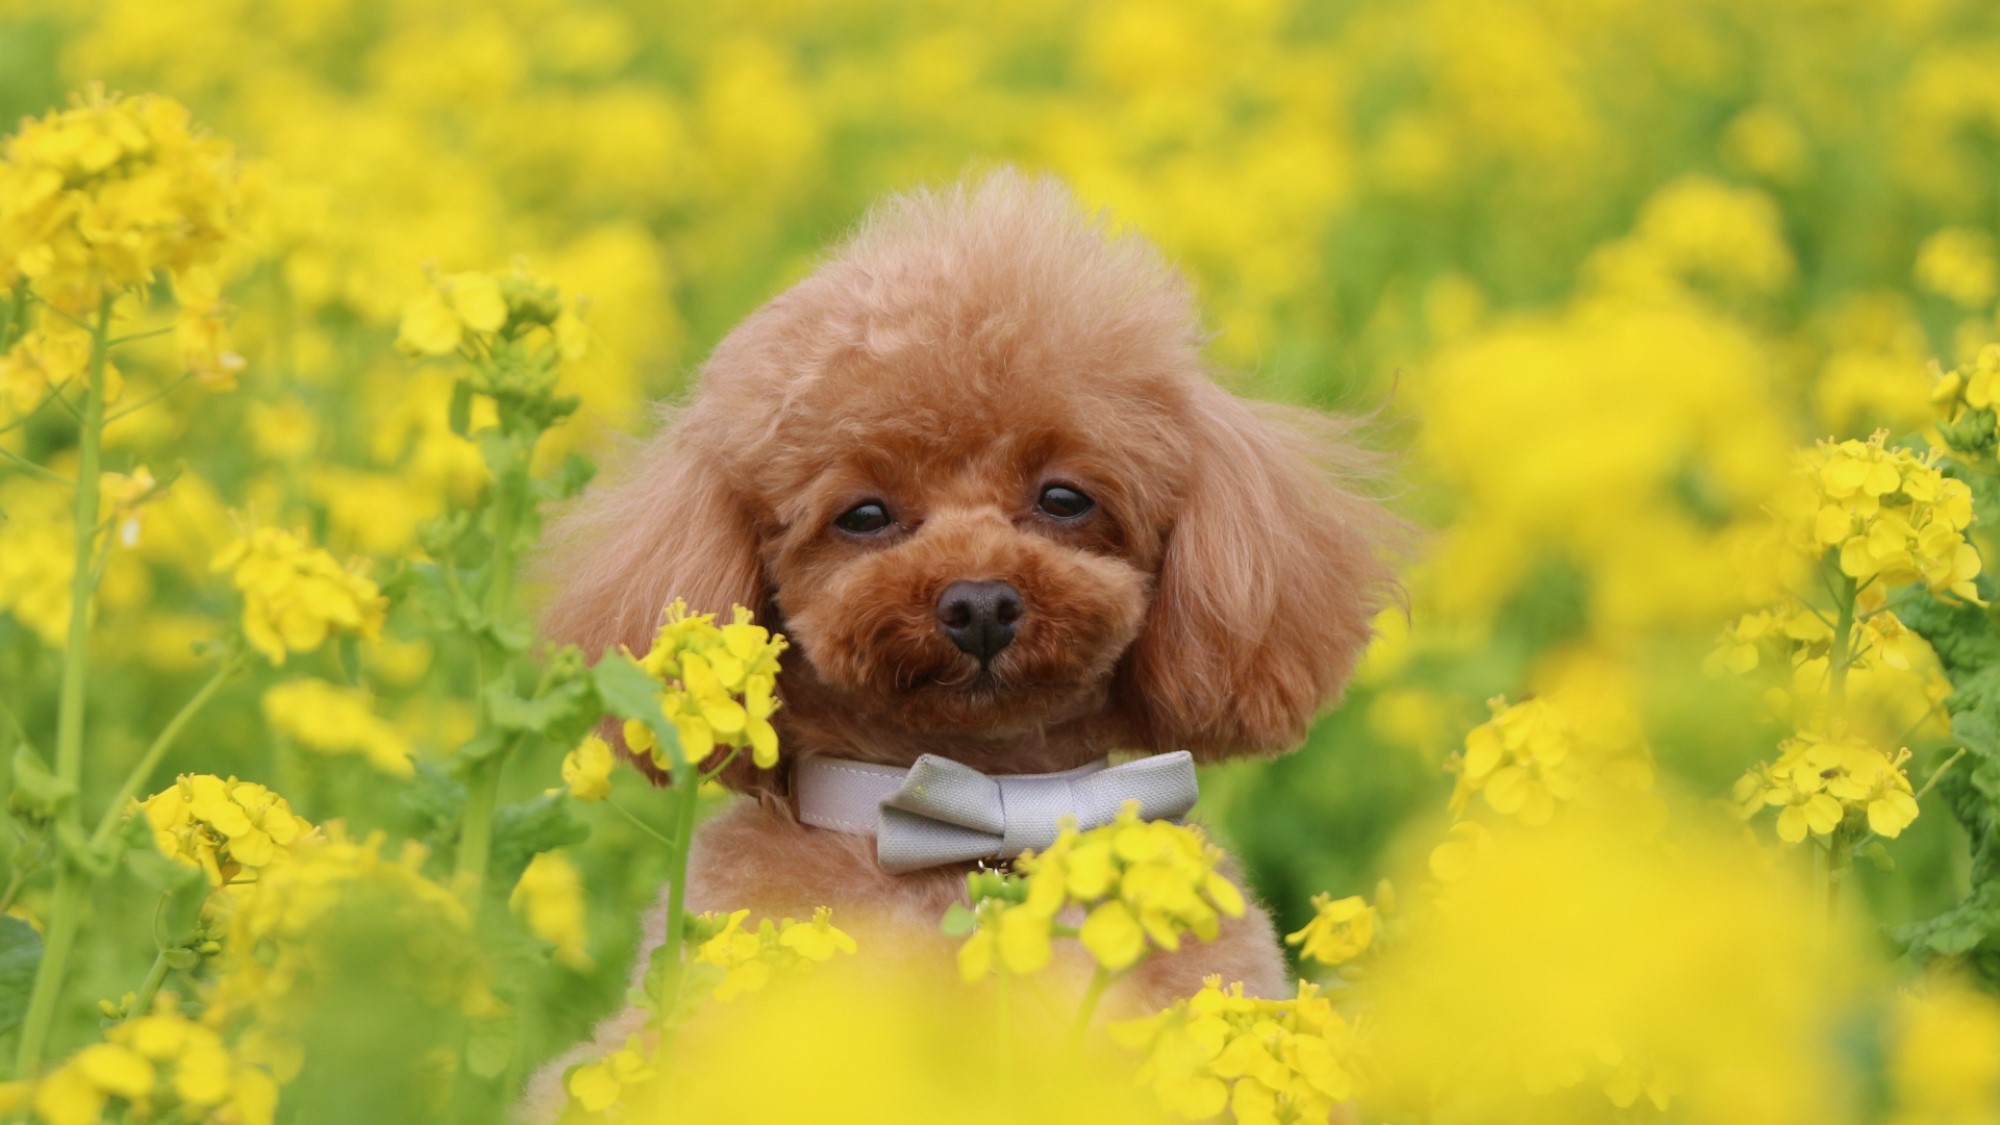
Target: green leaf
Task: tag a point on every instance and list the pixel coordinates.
(509, 711)
(959, 920)
(20, 956)
(524, 830)
(36, 790)
(490, 1044)
(627, 691)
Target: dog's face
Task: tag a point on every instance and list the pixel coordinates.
(969, 543)
(975, 467)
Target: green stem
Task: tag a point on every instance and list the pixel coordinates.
(1841, 656)
(475, 836)
(72, 883)
(142, 1001)
(687, 795)
(641, 825)
(23, 465)
(1099, 981)
(114, 814)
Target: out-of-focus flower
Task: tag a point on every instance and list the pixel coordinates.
(1340, 930)
(1958, 264)
(295, 595)
(750, 959)
(1265, 1061)
(549, 900)
(334, 719)
(720, 686)
(1944, 1054)
(1534, 756)
(225, 827)
(159, 1066)
(289, 936)
(586, 770)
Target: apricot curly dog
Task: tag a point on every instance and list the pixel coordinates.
(975, 467)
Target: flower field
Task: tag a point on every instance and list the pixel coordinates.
(1674, 796)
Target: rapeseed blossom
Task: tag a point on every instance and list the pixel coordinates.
(586, 770)
(748, 959)
(550, 900)
(721, 686)
(1888, 516)
(1534, 756)
(99, 197)
(1137, 884)
(157, 1066)
(334, 719)
(296, 595)
(1340, 930)
(1818, 779)
(229, 829)
(1264, 1061)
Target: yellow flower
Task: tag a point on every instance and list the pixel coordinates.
(549, 899)
(437, 321)
(749, 959)
(720, 686)
(817, 940)
(295, 595)
(1140, 884)
(1533, 756)
(597, 1086)
(97, 198)
(334, 719)
(586, 770)
(161, 1057)
(1818, 779)
(1340, 930)
(1889, 516)
(224, 827)
(1267, 1060)
(1958, 264)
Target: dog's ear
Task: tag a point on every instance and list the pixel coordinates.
(670, 527)
(1273, 571)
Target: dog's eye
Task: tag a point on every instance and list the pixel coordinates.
(864, 519)
(1064, 502)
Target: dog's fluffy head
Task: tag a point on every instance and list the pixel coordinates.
(962, 353)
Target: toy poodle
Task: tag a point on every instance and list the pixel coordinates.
(975, 468)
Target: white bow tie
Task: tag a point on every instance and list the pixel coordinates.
(939, 811)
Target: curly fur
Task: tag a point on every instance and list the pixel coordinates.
(959, 352)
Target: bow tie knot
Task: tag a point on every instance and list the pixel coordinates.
(941, 812)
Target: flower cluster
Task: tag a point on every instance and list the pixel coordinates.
(1890, 516)
(740, 961)
(1265, 1061)
(334, 719)
(1137, 884)
(720, 686)
(1967, 402)
(515, 327)
(96, 198)
(597, 1086)
(1340, 930)
(550, 902)
(1535, 755)
(295, 595)
(224, 827)
(156, 1067)
(586, 769)
(1819, 779)
(343, 903)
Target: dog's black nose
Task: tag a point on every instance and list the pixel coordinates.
(980, 617)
